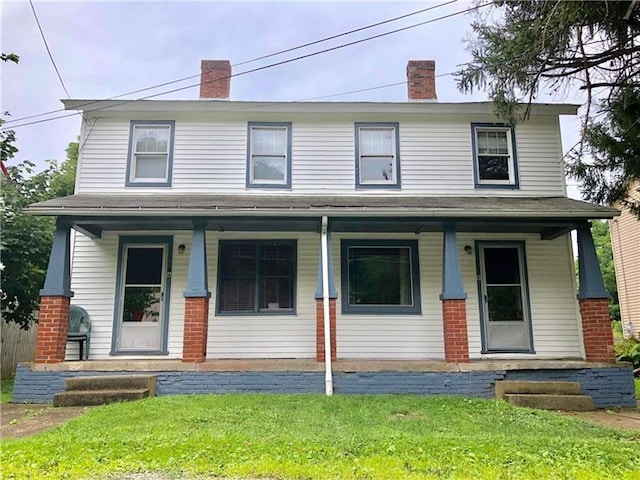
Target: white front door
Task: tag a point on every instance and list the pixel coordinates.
(142, 297)
(504, 301)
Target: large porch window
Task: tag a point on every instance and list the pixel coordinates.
(380, 277)
(256, 277)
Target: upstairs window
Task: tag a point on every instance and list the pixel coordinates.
(377, 155)
(269, 155)
(494, 156)
(150, 154)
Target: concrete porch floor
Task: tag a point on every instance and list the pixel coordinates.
(308, 365)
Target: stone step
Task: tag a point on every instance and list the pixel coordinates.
(77, 398)
(575, 403)
(112, 382)
(528, 386)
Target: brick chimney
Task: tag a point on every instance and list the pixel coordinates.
(421, 80)
(215, 79)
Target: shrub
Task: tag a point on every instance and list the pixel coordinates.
(628, 350)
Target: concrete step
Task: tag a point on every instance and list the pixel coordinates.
(77, 398)
(574, 403)
(526, 387)
(112, 382)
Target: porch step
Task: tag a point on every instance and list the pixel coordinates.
(533, 387)
(576, 403)
(100, 390)
(77, 398)
(112, 382)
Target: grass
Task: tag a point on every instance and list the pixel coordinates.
(309, 436)
(6, 390)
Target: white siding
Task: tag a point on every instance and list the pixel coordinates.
(555, 320)
(267, 336)
(435, 156)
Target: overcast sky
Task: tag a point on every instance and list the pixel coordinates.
(104, 49)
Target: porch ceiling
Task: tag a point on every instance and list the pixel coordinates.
(548, 216)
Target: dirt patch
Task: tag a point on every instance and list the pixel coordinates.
(19, 420)
(623, 418)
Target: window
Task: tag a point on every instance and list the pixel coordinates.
(377, 155)
(269, 155)
(150, 154)
(380, 277)
(494, 156)
(257, 277)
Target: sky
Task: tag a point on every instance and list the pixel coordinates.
(104, 49)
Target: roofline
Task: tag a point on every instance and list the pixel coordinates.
(318, 211)
(225, 106)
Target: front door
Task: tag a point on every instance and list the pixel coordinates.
(143, 296)
(503, 298)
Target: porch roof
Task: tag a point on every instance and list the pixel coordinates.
(202, 205)
(548, 216)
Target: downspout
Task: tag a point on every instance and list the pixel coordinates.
(328, 377)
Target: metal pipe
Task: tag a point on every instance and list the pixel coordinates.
(328, 376)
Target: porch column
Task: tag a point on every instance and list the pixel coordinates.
(454, 308)
(197, 295)
(594, 302)
(53, 321)
(333, 294)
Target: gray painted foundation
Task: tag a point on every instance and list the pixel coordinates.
(608, 386)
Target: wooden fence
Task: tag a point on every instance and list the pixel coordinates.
(16, 345)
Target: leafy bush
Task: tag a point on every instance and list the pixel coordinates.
(628, 350)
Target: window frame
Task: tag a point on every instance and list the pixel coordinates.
(131, 154)
(257, 311)
(347, 309)
(250, 182)
(513, 182)
(396, 183)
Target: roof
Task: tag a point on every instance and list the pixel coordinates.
(200, 205)
(219, 106)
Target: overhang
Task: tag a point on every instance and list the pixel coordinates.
(548, 216)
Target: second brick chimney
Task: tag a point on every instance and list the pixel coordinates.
(421, 80)
(215, 80)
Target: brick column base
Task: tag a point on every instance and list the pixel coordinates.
(53, 324)
(196, 325)
(456, 343)
(596, 330)
(320, 328)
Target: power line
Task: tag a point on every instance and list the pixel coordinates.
(46, 45)
(287, 50)
(265, 67)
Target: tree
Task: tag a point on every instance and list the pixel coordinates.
(560, 44)
(26, 240)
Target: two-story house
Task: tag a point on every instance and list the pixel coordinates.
(418, 247)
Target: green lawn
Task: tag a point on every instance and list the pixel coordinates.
(310, 436)
(6, 390)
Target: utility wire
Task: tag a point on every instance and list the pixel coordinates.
(315, 42)
(265, 67)
(46, 45)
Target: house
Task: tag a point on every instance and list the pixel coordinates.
(362, 247)
(625, 242)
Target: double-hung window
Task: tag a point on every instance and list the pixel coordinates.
(377, 155)
(494, 154)
(257, 277)
(150, 153)
(380, 277)
(269, 155)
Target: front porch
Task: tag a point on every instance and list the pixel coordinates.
(608, 384)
